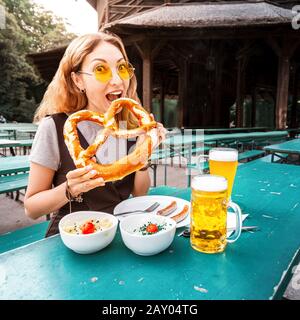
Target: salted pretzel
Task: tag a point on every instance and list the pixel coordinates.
(124, 166)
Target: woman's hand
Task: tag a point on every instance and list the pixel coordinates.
(160, 132)
(80, 180)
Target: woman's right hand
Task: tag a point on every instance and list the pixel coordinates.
(81, 180)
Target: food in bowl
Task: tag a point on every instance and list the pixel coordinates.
(88, 226)
(147, 234)
(92, 239)
(150, 228)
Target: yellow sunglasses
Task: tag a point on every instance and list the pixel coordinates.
(103, 73)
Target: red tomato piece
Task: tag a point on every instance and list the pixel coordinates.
(88, 227)
(152, 228)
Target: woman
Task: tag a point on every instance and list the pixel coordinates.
(93, 72)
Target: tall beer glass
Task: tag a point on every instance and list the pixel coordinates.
(209, 214)
(223, 162)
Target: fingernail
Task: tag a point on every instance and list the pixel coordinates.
(89, 167)
(93, 172)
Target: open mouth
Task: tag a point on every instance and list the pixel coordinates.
(113, 95)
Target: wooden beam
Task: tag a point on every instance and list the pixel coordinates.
(240, 90)
(282, 91)
(148, 51)
(162, 97)
(145, 50)
(295, 81)
(253, 108)
(182, 93)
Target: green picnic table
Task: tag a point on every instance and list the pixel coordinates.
(5, 135)
(12, 128)
(251, 268)
(11, 144)
(235, 130)
(291, 147)
(189, 139)
(14, 164)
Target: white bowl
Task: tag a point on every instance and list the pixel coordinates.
(87, 243)
(147, 245)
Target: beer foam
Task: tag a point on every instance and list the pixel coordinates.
(223, 154)
(209, 183)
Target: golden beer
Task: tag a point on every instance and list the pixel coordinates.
(223, 162)
(209, 213)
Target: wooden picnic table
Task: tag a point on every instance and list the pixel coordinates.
(189, 139)
(235, 130)
(250, 268)
(291, 147)
(5, 135)
(12, 128)
(11, 144)
(14, 164)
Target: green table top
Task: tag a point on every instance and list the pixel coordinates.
(17, 126)
(290, 147)
(188, 139)
(15, 143)
(14, 164)
(249, 269)
(245, 129)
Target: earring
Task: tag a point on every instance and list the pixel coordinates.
(82, 90)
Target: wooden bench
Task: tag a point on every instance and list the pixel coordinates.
(250, 155)
(22, 237)
(13, 182)
(268, 158)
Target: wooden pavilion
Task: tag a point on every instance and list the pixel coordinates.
(216, 59)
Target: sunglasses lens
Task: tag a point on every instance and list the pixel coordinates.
(125, 70)
(103, 73)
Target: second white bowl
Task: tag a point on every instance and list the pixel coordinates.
(148, 244)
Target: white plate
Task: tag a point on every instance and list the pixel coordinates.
(143, 202)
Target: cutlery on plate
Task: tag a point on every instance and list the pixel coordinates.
(186, 233)
(149, 209)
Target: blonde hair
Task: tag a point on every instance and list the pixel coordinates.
(62, 95)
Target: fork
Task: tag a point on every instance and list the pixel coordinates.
(186, 233)
(149, 209)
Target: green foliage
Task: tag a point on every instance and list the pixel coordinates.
(28, 29)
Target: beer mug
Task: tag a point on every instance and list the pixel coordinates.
(223, 162)
(209, 204)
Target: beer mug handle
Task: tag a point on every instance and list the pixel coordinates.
(238, 215)
(199, 159)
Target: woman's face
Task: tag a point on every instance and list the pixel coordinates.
(100, 94)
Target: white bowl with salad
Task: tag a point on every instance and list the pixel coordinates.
(87, 231)
(147, 234)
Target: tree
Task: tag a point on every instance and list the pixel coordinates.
(27, 29)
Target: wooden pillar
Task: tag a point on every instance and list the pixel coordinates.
(253, 109)
(145, 52)
(240, 91)
(218, 87)
(148, 52)
(182, 93)
(295, 82)
(282, 91)
(284, 51)
(162, 97)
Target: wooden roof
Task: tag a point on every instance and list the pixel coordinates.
(207, 15)
(47, 62)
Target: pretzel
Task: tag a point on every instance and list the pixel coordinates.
(124, 166)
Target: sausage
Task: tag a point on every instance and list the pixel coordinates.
(168, 209)
(182, 214)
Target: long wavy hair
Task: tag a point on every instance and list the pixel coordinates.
(62, 95)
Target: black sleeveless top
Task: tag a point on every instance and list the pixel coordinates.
(99, 199)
